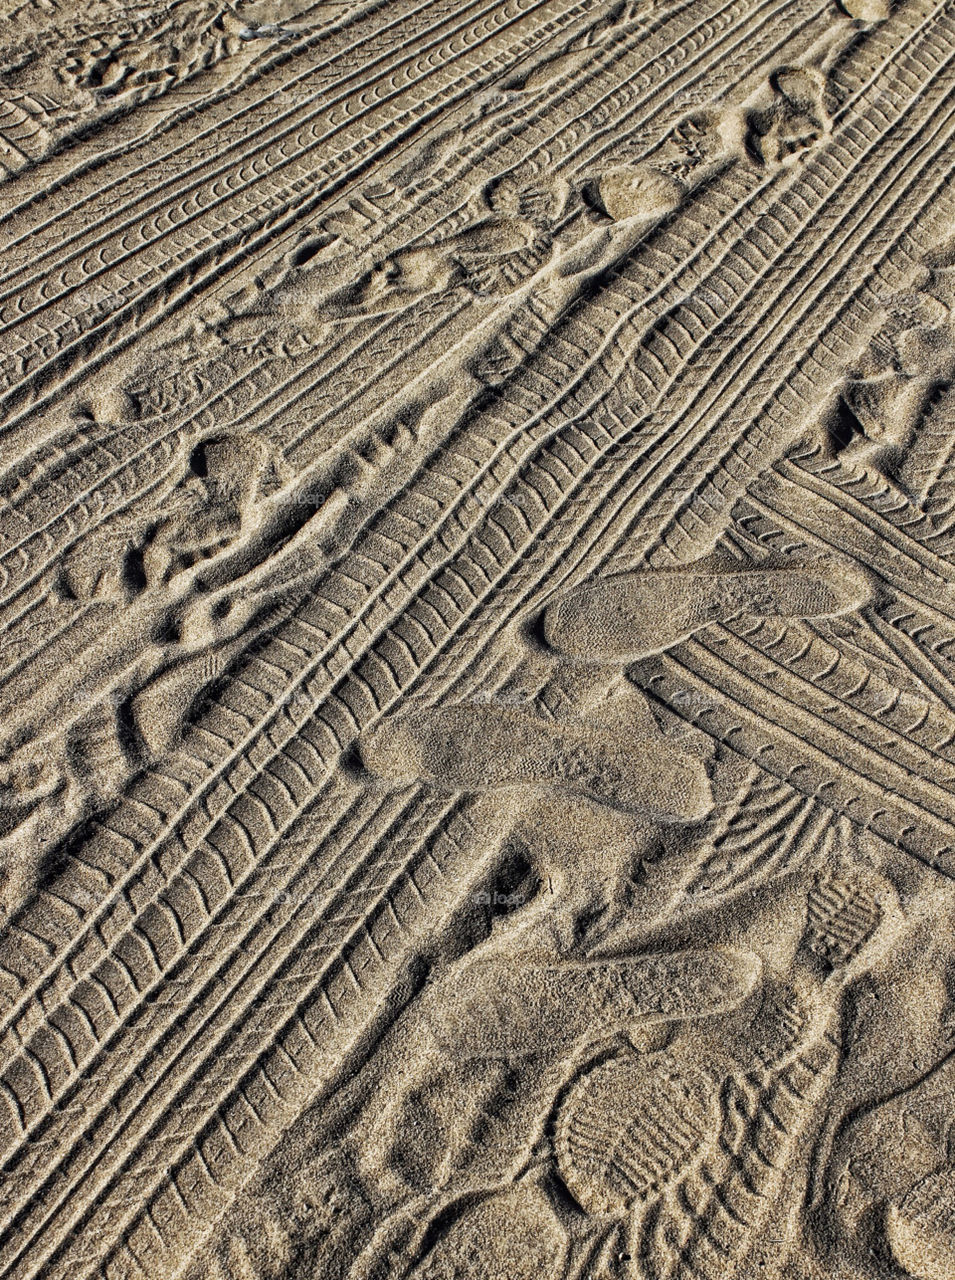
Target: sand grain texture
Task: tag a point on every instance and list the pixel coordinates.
(477, 640)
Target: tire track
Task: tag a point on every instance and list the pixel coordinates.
(60, 172)
(183, 267)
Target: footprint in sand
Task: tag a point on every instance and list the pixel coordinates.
(482, 747)
(512, 1006)
(632, 615)
(213, 505)
(633, 1124)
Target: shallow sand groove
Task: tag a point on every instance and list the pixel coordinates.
(477, 608)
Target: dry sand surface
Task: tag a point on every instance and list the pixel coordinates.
(477, 639)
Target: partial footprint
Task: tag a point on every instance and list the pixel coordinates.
(160, 710)
(480, 747)
(624, 618)
(843, 916)
(98, 749)
(512, 1235)
(794, 121)
(638, 191)
(867, 10)
(778, 1027)
(24, 784)
(212, 506)
(921, 1229)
